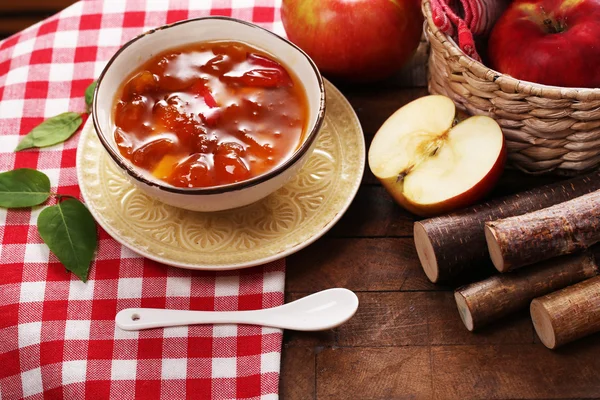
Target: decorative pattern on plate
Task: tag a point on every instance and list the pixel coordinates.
(284, 222)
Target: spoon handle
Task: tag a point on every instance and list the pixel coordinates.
(131, 319)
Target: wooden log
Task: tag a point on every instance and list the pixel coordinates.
(446, 328)
(547, 233)
(567, 315)
(483, 302)
(453, 245)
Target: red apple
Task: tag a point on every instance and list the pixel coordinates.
(355, 40)
(552, 42)
(431, 166)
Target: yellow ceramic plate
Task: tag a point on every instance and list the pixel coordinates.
(279, 225)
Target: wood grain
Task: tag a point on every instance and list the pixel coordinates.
(513, 181)
(410, 319)
(387, 319)
(18, 15)
(374, 213)
(516, 372)
(34, 5)
(413, 74)
(374, 373)
(374, 104)
(297, 380)
(12, 24)
(364, 264)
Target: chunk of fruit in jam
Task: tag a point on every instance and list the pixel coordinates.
(123, 143)
(205, 144)
(143, 82)
(130, 115)
(175, 84)
(164, 168)
(201, 89)
(269, 68)
(231, 147)
(263, 72)
(210, 117)
(230, 168)
(256, 149)
(166, 70)
(150, 154)
(263, 78)
(219, 64)
(183, 125)
(193, 171)
(236, 53)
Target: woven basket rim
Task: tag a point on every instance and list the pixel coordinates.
(506, 82)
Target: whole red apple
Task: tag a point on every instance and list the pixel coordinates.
(355, 40)
(552, 42)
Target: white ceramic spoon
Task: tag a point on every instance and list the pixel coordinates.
(319, 311)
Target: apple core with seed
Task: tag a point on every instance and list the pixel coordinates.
(431, 165)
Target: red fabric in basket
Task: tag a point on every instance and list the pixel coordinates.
(58, 338)
(478, 18)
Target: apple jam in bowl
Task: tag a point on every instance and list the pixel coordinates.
(209, 114)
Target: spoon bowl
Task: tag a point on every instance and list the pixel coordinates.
(319, 311)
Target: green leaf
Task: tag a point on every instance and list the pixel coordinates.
(89, 96)
(52, 131)
(69, 230)
(25, 143)
(23, 187)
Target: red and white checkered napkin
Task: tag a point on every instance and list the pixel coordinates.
(58, 338)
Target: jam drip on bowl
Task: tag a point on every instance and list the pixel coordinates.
(210, 114)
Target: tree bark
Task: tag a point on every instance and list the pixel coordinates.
(454, 245)
(540, 235)
(486, 301)
(567, 315)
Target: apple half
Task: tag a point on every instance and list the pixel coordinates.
(429, 164)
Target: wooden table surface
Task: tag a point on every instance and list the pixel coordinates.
(406, 340)
(18, 15)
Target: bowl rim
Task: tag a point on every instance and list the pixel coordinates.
(230, 187)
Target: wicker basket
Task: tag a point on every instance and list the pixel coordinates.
(547, 128)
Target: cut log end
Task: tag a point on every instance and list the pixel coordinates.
(542, 324)
(494, 249)
(464, 311)
(426, 252)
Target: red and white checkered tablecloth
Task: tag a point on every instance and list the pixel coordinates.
(58, 338)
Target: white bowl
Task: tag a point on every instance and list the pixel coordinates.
(142, 48)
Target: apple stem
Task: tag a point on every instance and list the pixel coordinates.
(552, 26)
